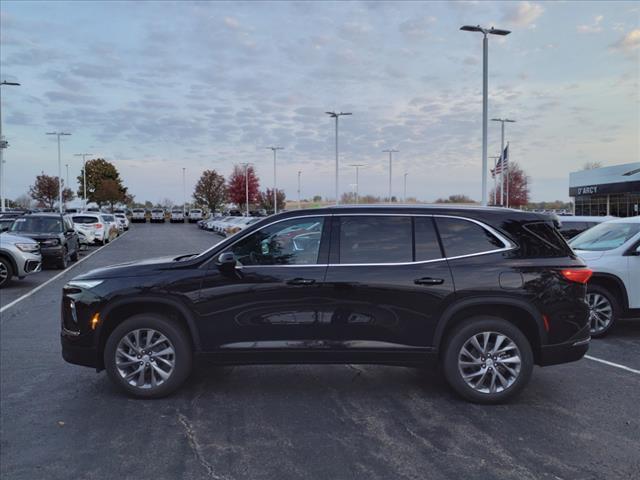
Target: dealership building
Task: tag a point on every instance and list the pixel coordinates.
(607, 191)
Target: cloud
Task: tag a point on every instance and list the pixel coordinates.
(523, 15)
(232, 23)
(595, 27)
(629, 42)
(70, 97)
(417, 27)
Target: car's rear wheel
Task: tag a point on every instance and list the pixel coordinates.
(487, 360)
(63, 262)
(603, 310)
(148, 356)
(75, 255)
(6, 272)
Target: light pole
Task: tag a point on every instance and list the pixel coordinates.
(336, 116)
(485, 82)
(404, 197)
(299, 204)
(3, 144)
(84, 176)
(390, 152)
(275, 198)
(502, 165)
(495, 186)
(357, 167)
(59, 134)
(184, 192)
(246, 185)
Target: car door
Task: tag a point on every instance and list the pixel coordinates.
(71, 237)
(272, 298)
(387, 291)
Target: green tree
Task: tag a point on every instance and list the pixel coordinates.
(107, 192)
(45, 190)
(210, 191)
(100, 170)
(455, 199)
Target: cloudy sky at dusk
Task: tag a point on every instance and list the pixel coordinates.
(157, 86)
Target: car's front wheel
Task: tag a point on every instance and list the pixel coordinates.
(148, 356)
(63, 262)
(487, 360)
(6, 272)
(603, 310)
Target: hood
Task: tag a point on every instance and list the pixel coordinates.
(131, 269)
(11, 238)
(40, 236)
(589, 256)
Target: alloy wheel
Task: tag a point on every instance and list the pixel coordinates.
(489, 362)
(4, 273)
(600, 312)
(145, 358)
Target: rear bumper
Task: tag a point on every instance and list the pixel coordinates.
(567, 351)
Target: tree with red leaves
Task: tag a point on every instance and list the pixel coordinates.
(518, 190)
(236, 189)
(46, 191)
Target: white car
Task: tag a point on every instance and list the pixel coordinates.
(177, 216)
(111, 224)
(138, 215)
(157, 215)
(123, 221)
(612, 250)
(92, 225)
(195, 214)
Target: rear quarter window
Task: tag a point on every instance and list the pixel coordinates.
(463, 237)
(542, 239)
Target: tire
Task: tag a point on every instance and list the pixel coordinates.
(6, 272)
(506, 383)
(63, 263)
(604, 309)
(75, 255)
(177, 340)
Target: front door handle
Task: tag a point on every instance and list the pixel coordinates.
(428, 281)
(301, 281)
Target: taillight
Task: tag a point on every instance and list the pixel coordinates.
(578, 275)
(98, 225)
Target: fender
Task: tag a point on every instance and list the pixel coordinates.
(451, 310)
(186, 313)
(618, 281)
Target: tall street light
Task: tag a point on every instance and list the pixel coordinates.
(246, 184)
(59, 134)
(184, 192)
(390, 152)
(299, 204)
(485, 67)
(84, 176)
(502, 165)
(275, 198)
(336, 116)
(404, 196)
(357, 167)
(3, 144)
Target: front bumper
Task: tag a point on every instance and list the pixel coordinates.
(52, 253)
(28, 263)
(565, 352)
(78, 355)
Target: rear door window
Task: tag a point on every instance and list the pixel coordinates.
(375, 239)
(463, 237)
(85, 219)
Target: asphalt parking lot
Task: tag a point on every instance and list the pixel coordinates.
(60, 421)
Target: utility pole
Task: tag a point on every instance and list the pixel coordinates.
(390, 152)
(502, 160)
(299, 204)
(275, 191)
(485, 87)
(336, 116)
(59, 134)
(84, 176)
(3, 144)
(184, 193)
(404, 199)
(357, 167)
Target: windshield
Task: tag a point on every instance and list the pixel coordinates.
(37, 225)
(605, 236)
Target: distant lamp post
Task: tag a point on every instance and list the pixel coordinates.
(299, 204)
(337, 115)
(3, 144)
(390, 152)
(275, 197)
(502, 165)
(84, 176)
(59, 134)
(184, 193)
(404, 196)
(485, 82)
(246, 184)
(357, 167)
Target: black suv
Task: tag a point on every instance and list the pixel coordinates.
(59, 242)
(484, 292)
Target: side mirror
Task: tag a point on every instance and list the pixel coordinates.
(226, 262)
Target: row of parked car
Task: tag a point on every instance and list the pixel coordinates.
(160, 215)
(226, 225)
(31, 239)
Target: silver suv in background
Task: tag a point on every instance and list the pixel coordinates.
(19, 257)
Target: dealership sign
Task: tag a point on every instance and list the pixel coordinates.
(605, 188)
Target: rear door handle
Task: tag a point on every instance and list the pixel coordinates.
(428, 281)
(301, 281)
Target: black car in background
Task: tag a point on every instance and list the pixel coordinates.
(486, 293)
(59, 242)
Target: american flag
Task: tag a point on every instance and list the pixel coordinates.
(502, 163)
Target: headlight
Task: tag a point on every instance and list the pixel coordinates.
(86, 284)
(28, 247)
(51, 242)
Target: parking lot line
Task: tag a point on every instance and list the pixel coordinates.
(55, 277)
(611, 364)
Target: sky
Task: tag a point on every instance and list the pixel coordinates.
(155, 87)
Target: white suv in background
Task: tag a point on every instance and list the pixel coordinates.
(195, 214)
(157, 215)
(177, 215)
(139, 215)
(123, 221)
(612, 250)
